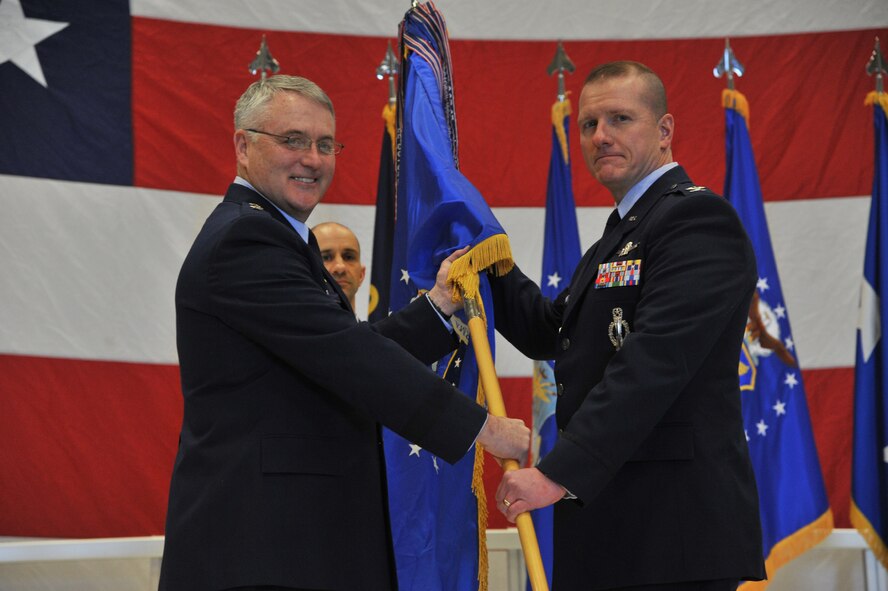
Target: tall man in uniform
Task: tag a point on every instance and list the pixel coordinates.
(650, 476)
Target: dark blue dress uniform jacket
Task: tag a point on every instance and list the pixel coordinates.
(279, 477)
(651, 436)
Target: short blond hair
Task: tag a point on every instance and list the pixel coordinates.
(656, 91)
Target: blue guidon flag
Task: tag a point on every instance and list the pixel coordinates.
(869, 472)
(438, 511)
(794, 507)
(384, 224)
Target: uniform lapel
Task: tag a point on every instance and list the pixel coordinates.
(598, 253)
(604, 249)
(241, 194)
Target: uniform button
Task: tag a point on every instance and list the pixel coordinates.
(565, 344)
(559, 389)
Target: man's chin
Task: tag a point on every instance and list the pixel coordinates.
(610, 177)
(303, 202)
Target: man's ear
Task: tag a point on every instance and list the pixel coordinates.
(666, 127)
(240, 146)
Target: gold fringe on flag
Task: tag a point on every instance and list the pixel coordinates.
(863, 525)
(560, 110)
(792, 547)
(877, 97)
(494, 252)
(390, 115)
(734, 99)
(481, 496)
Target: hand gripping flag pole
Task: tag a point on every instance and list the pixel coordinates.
(489, 382)
(494, 252)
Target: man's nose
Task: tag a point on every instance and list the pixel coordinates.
(602, 135)
(311, 156)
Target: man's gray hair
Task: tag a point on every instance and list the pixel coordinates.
(250, 107)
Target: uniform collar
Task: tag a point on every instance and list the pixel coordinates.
(640, 187)
(300, 227)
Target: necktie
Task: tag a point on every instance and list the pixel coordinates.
(313, 243)
(612, 221)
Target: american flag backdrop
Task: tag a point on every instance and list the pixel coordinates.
(117, 121)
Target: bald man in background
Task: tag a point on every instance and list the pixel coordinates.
(341, 253)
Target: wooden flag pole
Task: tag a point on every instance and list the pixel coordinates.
(496, 407)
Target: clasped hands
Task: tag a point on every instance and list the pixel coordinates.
(520, 490)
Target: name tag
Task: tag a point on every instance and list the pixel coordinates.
(618, 274)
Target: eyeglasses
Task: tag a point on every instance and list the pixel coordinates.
(325, 146)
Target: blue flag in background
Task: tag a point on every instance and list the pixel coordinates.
(384, 224)
(869, 472)
(794, 507)
(438, 530)
(561, 255)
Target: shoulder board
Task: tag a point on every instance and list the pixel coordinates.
(246, 206)
(694, 190)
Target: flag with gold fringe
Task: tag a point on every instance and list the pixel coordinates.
(561, 255)
(795, 511)
(869, 472)
(438, 511)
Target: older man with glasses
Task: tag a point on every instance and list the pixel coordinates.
(279, 480)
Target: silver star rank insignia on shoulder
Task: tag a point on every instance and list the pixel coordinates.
(629, 247)
(696, 188)
(256, 206)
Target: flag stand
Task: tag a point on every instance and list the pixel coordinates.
(496, 407)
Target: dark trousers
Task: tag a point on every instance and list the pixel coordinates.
(269, 588)
(720, 585)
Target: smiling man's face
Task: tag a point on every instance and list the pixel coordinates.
(295, 180)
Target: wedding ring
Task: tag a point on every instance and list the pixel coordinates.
(507, 503)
